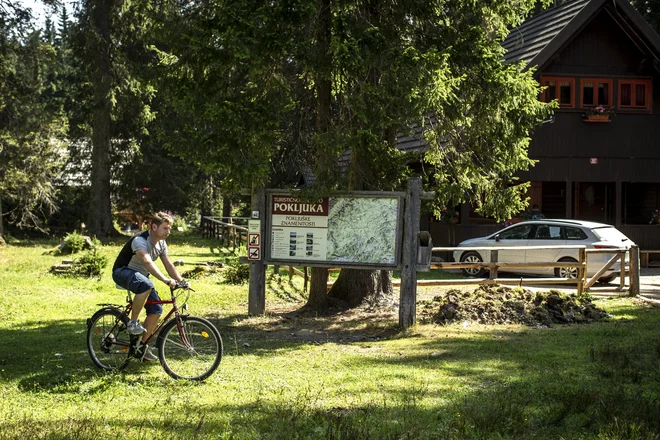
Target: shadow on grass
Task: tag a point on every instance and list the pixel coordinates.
(525, 408)
(51, 356)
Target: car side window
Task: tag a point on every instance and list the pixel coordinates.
(548, 232)
(521, 232)
(574, 233)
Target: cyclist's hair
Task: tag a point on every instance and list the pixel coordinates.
(161, 217)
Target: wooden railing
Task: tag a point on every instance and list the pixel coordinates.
(582, 281)
(229, 233)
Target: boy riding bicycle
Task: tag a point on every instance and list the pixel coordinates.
(134, 264)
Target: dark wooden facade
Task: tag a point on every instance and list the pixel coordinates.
(605, 172)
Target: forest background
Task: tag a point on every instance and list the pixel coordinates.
(136, 106)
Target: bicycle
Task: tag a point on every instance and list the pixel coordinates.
(189, 347)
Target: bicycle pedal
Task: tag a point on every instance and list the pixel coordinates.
(136, 349)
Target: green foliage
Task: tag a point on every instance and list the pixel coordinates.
(31, 133)
(73, 243)
(90, 264)
(179, 222)
(237, 274)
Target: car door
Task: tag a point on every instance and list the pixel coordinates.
(546, 234)
(517, 236)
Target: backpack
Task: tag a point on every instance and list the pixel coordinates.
(127, 252)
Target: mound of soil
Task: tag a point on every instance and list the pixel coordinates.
(503, 305)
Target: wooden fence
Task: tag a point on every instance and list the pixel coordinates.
(228, 230)
(582, 281)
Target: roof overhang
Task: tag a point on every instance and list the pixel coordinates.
(623, 13)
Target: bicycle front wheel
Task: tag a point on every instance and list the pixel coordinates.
(108, 341)
(191, 350)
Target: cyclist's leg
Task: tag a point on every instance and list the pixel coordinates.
(153, 314)
(138, 284)
(138, 304)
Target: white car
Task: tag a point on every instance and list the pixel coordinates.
(548, 233)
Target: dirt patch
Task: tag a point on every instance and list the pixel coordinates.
(503, 305)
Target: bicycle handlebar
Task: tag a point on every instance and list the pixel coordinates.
(183, 284)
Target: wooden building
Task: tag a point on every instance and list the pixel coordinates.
(589, 54)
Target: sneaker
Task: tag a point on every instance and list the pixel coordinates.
(148, 355)
(134, 328)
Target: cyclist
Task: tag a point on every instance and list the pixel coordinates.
(134, 264)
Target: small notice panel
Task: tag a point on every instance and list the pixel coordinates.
(254, 240)
(299, 230)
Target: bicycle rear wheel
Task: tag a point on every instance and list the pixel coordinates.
(192, 351)
(108, 341)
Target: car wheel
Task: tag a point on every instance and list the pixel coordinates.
(607, 279)
(473, 257)
(570, 273)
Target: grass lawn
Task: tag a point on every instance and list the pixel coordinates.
(352, 375)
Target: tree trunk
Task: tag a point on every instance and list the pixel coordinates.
(318, 290)
(357, 286)
(2, 228)
(318, 286)
(208, 197)
(226, 209)
(100, 209)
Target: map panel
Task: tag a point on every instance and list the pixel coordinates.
(357, 230)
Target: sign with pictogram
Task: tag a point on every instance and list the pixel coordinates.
(254, 253)
(254, 240)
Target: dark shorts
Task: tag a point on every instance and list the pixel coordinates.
(137, 283)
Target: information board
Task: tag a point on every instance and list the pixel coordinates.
(354, 230)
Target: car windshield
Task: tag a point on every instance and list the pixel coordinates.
(609, 233)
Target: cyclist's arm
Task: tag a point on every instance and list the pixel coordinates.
(152, 268)
(170, 268)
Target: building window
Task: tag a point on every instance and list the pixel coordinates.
(635, 94)
(560, 89)
(595, 92)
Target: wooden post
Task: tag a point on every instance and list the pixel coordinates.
(408, 288)
(493, 269)
(257, 289)
(622, 274)
(582, 271)
(634, 271)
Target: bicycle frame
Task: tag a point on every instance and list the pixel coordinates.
(189, 347)
(174, 311)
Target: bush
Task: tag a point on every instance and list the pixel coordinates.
(90, 264)
(73, 243)
(179, 222)
(237, 274)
